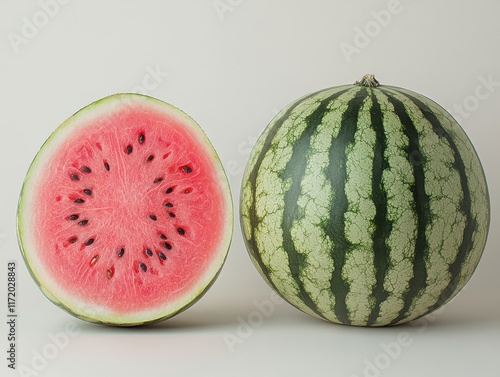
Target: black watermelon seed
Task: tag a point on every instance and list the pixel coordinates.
(74, 177)
(158, 180)
(162, 236)
(162, 256)
(167, 246)
(153, 217)
(83, 222)
(85, 169)
(143, 267)
(187, 169)
(141, 138)
(129, 149)
(73, 239)
(89, 242)
(120, 252)
(181, 231)
(168, 205)
(79, 201)
(87, 192)
(73, 217)
(92, 262)
(171, 214)
(150, 158)
(149, 252)
(169, 190)
(106, 165)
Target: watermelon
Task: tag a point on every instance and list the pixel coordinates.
(365, 205)
(125, 216)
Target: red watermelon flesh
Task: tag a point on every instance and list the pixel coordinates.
(125, 216)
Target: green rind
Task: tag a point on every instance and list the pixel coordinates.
(396, 254)
(58, 136)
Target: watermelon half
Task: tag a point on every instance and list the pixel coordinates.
(365, 205)
(125, 216)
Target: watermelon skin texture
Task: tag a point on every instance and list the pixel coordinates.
(365, 205)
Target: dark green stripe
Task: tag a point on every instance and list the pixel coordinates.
(471, 225)
(335, 228)
(252, 179)
(295, 171)
(418, 281)
(383, 225)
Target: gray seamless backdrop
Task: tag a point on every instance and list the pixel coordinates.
(232, 64)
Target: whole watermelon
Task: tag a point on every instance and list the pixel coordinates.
(365, 205)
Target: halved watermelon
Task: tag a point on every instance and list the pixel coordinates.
(125, 216)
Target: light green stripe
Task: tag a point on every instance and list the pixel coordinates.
(359, 270)
(398, 180)
(445, 231)
(308, 232)
(478, 192)
(270, 191)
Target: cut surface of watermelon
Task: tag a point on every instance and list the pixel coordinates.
(125, 215)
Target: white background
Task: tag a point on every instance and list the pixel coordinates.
(231, 65)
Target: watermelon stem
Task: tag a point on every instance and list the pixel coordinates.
(368, 80)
